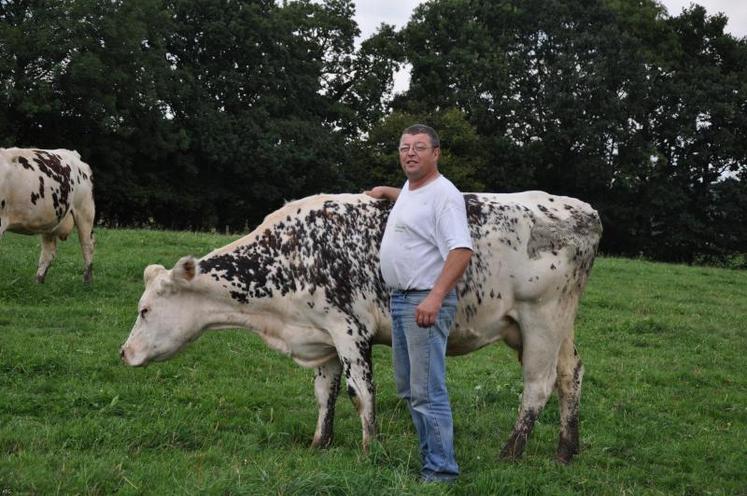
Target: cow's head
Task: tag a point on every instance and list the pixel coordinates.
(168, 314)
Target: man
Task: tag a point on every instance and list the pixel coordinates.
(424, 252)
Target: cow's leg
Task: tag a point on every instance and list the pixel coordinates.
(326, 388)
(84, 222)
(570, 375)
(541, 342)
(48, 252)
(355, 355)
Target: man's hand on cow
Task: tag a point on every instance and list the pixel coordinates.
(383, 193)
(427, 312)
(378, 192)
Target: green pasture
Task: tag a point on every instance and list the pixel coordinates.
(664, 407)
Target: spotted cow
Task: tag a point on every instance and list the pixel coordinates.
(307, 282)
(47, 192)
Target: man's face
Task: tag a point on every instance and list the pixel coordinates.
(417, 156)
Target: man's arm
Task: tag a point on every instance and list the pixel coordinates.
(384, 192)
(456, 263)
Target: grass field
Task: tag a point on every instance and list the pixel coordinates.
(664, 407)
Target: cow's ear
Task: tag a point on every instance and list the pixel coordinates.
(185, 269)
(151, 272)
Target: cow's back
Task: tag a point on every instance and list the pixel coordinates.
(530, 247)
(531, 239)
(323, 251)
(324, 245)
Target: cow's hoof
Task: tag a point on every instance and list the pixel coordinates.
(514, 448)
(508, 456)
(40, 279)
(322, 443)
(564, 458)
(566, 452)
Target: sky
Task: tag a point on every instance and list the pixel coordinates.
(371, 13)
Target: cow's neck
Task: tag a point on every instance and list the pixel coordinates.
(254, 315)
(275, 329)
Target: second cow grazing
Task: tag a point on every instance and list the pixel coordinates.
(48, 192)
(307, 282)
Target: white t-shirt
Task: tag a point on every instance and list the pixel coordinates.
(423, 227)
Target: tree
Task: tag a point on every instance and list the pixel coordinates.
(204, 113)
(193, 113)
(34, 51)
(607, 100)
(462, 151)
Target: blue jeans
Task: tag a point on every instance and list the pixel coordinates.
(419, 356)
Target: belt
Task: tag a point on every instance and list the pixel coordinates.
(408, 291)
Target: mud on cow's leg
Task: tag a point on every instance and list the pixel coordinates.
(570, 376)
(514, 447)
(48, 253)
(539, 364)
(355, 356)
(326, 388)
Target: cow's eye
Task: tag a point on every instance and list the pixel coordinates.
(143, 312)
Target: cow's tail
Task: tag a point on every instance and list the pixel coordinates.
(588, 225)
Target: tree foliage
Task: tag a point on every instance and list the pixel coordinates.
(193, 113)
(205, 113)
(612, 101)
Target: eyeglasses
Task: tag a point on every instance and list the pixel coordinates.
(417, 148)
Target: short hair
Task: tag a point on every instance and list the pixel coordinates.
(423, 129)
